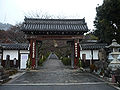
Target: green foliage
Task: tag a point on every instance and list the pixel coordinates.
(29, 63)
(79, 64)
(47, 55)
(40, 62)
(107, 21)
(66, 61)
(91, 36)
(92, 67)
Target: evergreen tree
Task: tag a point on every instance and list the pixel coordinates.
(107, 21)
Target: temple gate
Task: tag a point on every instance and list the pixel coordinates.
(71, 30)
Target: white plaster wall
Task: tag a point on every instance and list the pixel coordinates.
(13, 54)
(89, 55)
(24, 51)
(87, 52)
(95, 54)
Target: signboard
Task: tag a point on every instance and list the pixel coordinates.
(76, 51)
(33, 54)
(24, 58)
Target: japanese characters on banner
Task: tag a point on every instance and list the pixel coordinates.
(76, 51)
(33, 53)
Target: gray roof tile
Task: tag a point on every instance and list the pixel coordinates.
(15, 46)
(90, 46)
(32, 24)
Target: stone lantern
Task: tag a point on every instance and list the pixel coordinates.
(115, 63)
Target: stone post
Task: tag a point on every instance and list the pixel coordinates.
(7, 65)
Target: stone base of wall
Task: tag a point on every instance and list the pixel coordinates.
(86, 63)
(11, 63)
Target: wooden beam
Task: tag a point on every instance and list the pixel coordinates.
(55, 37)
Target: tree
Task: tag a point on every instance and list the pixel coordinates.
(16, 35)
(13, 35)
(107, 21)
(43, 15)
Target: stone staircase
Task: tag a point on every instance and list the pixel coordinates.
(4, 75)
(53, 56)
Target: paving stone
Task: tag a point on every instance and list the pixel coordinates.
(53, 71)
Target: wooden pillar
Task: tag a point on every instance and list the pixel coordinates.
(33, 52)
(92, 56)
(36, 62)
(1, 57)
(18, 61)
(72, 54)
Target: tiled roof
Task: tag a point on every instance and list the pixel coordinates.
(32, 24)
(93, 46)
(15, 46)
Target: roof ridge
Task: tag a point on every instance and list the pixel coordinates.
(53, 19)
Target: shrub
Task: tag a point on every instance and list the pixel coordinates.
(92, 67)
(40, 62)
(29, 63)
(79, 64)
(66, 61)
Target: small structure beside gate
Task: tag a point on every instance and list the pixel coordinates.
(16, 53)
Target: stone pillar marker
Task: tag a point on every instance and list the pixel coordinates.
(7, 64)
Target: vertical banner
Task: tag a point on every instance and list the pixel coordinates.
(77, 54)
(33, 52)
(76, 50)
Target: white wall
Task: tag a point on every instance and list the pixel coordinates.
(13, 54)
(89, 55)
(87, 52)
(95, 54)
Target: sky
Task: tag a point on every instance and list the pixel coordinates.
(14, 11)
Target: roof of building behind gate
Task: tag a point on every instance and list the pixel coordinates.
(13, 46)
(34, 24)
(91, 46)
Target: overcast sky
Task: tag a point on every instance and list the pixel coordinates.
(13, 11)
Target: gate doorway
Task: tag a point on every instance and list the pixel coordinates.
(71, 30)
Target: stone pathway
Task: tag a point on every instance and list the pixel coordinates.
(51, 64)
(53, 56)
(53, 75)
(53, 71)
